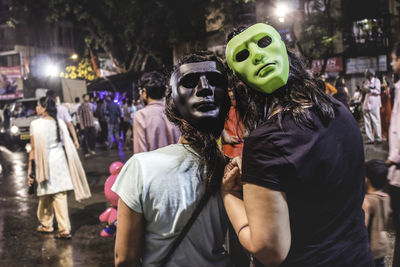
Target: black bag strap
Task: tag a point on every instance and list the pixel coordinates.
(187, 227)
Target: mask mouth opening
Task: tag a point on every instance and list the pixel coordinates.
(266, 66)
(205, 106)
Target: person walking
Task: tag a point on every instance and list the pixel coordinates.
(57, 169)
(113, 112)
(126, 117)
(371, 107)
(85, 113)
(128, 142)
(102, 117)
(74, 113)
(393, 159)
(151, 128)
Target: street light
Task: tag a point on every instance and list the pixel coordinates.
(281, 10)
(74, 56)
(52, 70)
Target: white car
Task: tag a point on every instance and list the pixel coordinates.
(23, 112)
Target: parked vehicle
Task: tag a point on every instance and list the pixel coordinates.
(23, 112)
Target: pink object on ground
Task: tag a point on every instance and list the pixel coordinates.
(109, 215)
(110, 195)
(115, 167)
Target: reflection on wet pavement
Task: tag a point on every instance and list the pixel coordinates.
(21, 245)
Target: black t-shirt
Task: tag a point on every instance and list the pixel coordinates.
(321, 170)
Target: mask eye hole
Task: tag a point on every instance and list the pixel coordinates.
(242, 55)
(215, 79)
(190, 80)
(264, 42)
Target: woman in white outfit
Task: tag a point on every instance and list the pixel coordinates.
(55, 175)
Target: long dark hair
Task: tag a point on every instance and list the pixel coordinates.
(396, 49)
(295, 99)
(49, 104)
(204, 143)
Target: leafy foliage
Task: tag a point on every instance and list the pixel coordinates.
(131, 32)
(83, 70)
(317, 34)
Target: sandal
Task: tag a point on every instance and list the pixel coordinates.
(63, 235)
(43, 229)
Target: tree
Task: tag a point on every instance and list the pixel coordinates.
(317, 34)
(131, 32)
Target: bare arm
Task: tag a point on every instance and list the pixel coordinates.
(71, 129)
(265, 211)
(129, 239)
(367, 211)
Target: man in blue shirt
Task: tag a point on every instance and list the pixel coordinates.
(113, 112)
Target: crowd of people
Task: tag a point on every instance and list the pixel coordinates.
(255, 147)
(371, 103)
(101, 120)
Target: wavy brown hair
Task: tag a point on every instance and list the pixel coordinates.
(295, 99)
(203, 142)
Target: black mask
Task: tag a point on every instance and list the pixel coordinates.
(199, 90)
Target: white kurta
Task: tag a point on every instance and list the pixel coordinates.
(372, 98)
(59, 175)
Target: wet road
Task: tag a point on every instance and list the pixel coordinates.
(21, 245)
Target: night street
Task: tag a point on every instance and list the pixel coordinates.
(21, 245)
(200, 133)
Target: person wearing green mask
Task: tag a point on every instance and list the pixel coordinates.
(295, 199)
(259, 59)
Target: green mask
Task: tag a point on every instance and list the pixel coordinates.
(259, 57)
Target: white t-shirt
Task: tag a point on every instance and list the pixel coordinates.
(164, 185)
(74, 113)
(63, 114)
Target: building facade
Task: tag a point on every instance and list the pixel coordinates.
(31, 46)
(364, 39)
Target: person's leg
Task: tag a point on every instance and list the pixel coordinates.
(367, 123)
(92, 138)
(124, 129)
(85, 142)
(110, 135)
(117, 133)
(103, 125)
(45, 212)
(120, 126)
(60, 205)
(128, 140)
(376, 123)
